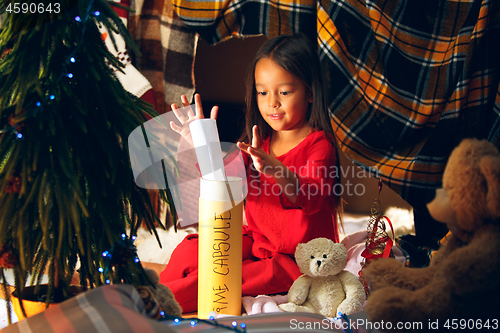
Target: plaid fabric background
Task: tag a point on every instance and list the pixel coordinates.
(407, 80)
(216, 21)
(168, 47)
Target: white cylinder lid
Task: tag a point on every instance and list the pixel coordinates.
(218, 190)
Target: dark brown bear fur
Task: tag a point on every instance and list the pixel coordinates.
(463, 279)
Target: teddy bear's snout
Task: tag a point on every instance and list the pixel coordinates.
(319, 262)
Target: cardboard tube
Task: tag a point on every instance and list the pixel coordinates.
(220, 247)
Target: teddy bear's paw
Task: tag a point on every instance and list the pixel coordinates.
(172, 308)
(288, 307)
(297, 295)
(383, 273)
(350, 306)
(292, 307)
(393, 305)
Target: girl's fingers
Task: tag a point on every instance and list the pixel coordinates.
(185, 101)
(198, 106)
(254, 152)
(178, 114)
(198, 109)
(242, 146)
(174, 127)
(255, 139)
(187, 106)
(214, 112)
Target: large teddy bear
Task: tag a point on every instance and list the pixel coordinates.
(463, 279)
(325, 287)
(158, 298)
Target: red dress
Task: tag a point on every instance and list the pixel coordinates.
(275, 225)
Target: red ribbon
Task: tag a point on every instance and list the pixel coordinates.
(373, 244)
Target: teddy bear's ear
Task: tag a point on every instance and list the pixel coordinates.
(490, 167)
(298, 249)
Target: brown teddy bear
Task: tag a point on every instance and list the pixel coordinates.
(159, 298)
(463, 278)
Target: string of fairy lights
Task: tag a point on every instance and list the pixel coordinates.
(343, 321)
(71, 59)
(242, 327)
(126, 246)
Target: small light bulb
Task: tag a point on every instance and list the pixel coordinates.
(70, 75)
(78, 19)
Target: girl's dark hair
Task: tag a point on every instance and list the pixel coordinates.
(297, 55)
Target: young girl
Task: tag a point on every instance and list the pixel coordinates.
(292, 163)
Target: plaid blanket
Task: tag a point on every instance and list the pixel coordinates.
(119, 308)
(407, 80)
(167, 47)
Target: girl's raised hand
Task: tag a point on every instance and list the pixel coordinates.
(187, 115)
(262, 161)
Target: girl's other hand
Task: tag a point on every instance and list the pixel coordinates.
(186, 115)
(271, 166)
(263, 162)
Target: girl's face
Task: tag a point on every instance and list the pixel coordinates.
(283, 100)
